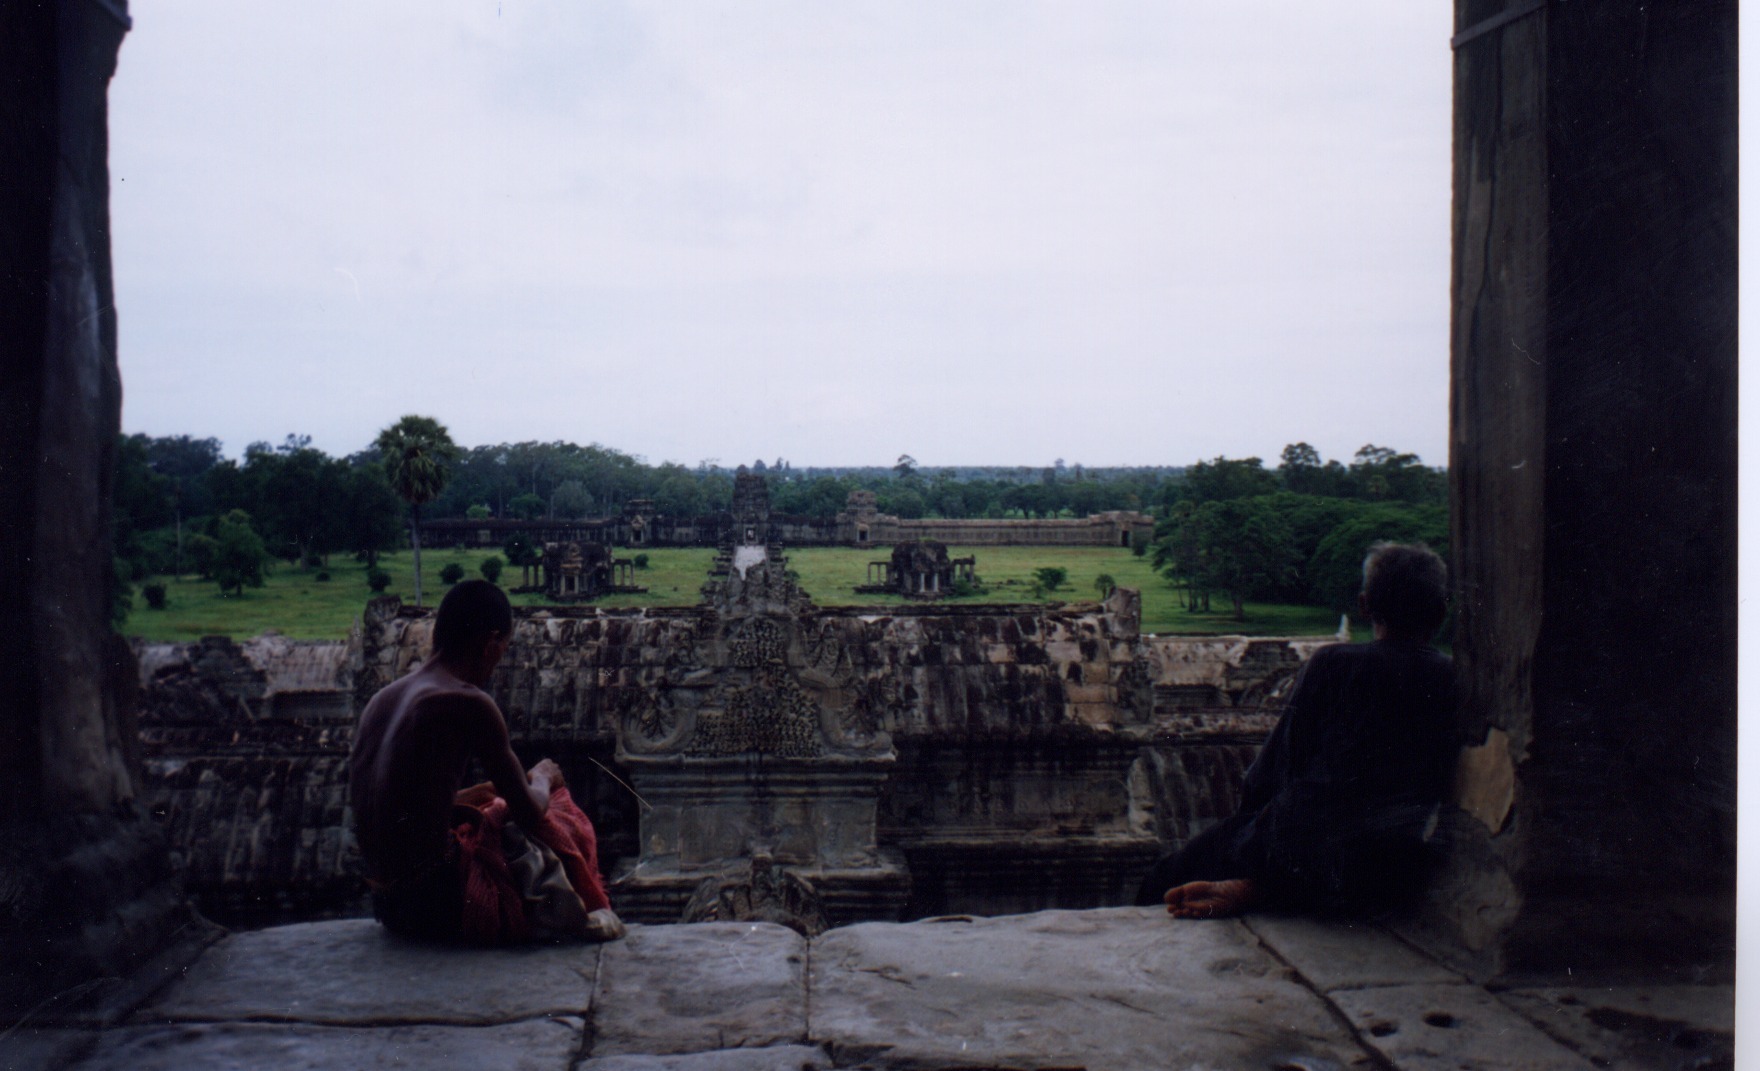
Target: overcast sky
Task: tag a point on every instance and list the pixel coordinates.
(979, 233)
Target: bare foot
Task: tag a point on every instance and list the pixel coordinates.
(1211, 899)
(604, 925)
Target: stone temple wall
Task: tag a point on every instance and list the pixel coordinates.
(1112, 529)
(245, 755)
(1043, 757)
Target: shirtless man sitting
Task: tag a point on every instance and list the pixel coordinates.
(1337, 810)
(410, 753)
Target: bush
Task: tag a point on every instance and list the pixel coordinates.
(321, 577)
(452, 574)
(641, 561)
(477, 512)
(1105, 584)
(155, 595)
(378, 579)
(491, 569)
(1050, 577)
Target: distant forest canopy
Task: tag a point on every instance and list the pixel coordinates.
(1227, 526)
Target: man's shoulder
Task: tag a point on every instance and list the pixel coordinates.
(1408, 657)
(423, 695)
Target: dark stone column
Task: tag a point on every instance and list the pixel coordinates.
(86, 886)
(1593, 457)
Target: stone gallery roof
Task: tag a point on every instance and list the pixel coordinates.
(285, 665)
(1119, 989)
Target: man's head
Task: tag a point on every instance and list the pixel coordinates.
(474, 615)
(1405, 588)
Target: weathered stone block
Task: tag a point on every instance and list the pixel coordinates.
(537, 1045)
(1120, 989)
(713, 985)
(338, 973)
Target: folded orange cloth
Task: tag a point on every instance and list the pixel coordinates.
(494, 903)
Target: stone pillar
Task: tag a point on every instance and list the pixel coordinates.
(1593, 460)
(86, 886)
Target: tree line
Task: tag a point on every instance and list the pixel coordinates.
(174, 494)
(1297, 533)
(1228, 527)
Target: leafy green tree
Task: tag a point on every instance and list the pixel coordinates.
(1241, 547)
(905, 468)
(526, 506)
(1247, 548)
(155, 595)
(368, 513)
(451, 573)
(1175, 552)
(417, 451)
(185, 461)
(491, 569)
(570, 499)
(1382, 473)
(679, 492)
(1032, 499)
(1224, 478)
(239, 555)
(1303, 473)
(377, 579)
(901, 501)
(297, 492)
(1310, 519)
(478, 512)
(1105, 585)
(141, 500)
(1335, 573)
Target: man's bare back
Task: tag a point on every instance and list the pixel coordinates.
(410, 752)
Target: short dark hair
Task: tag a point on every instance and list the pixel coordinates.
(1405, 586)
(469, 613)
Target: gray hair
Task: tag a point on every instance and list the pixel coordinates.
(1405, 586)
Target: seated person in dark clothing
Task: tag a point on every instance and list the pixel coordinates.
(1338, 809)
(411, 749)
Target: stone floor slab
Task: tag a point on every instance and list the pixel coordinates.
(353, 971)
(1118, 989)
(712, 985)
(1347, 955)
(1451, 1028)
(775, 1058)
(1668, 1026)
(537, 1045)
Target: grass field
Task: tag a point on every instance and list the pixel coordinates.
(297, 604)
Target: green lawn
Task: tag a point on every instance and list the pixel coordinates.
(297, 604)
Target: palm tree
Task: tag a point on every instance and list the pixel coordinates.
(417, 450)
